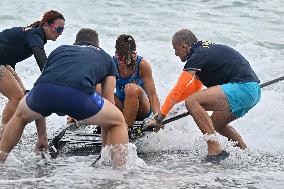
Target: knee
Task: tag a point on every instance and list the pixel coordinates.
(218, 128)
(16, 97)
(116, 119)
(132, 90)
(21, 117)
(190, 103)
(120, 118)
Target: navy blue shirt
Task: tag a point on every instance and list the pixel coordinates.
(79, 66)
(16, 44)
(218, 64)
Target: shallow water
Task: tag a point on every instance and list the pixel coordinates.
(172, 158)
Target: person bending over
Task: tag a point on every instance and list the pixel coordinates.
(67, 87)
(232, 89)
(18, 44)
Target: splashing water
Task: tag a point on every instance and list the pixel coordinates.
(126, 157)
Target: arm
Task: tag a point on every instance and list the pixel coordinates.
(16, 77)
(40, 57)
(42, 142)
(107, 88)
(146, 76)
(187, 84)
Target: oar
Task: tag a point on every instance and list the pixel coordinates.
(42, 154)
(272, 82)
(96, 160)
(187, 113)
(147, 129)
(44, 159)
(54, 142)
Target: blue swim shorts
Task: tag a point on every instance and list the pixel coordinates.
(242, 96)
(47, 98)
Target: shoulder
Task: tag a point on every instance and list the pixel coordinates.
(58, 50)
(33, 31)
(13, 29)
(145, 68)
(34, 36)
(105, 55)
(198, 55)
(11, 32)
(144, 65)
(196, 61)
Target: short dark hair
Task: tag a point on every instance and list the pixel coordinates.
(184, 36)
(87, 35)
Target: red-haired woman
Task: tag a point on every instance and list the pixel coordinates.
(18, 44)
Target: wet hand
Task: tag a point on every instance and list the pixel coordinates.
(42, 144)
(71, 121)
(156, 122)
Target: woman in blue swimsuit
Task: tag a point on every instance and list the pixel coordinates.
(135, 93)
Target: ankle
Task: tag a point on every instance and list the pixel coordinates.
(213, 147)
(3, 155)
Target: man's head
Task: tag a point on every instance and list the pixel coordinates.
(182, 42)
(88, 36)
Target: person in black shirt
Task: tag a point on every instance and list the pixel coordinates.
(232, 89)
(67, 86)
(18, 44)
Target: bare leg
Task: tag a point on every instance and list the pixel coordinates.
(213, 99)
(131, 103)
(113, 125)
(233, 135)
(220, 122)
(40, 123)
(144, 106)
(15, 127)
(204, 123)
(136, 103)
(105, 137)
(111, 120)
(10, 88)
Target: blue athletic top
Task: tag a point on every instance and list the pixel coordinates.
(133, 78)
(81, 66)
(218, 64)
(16, 44)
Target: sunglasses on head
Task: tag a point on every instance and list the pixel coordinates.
(57, 28)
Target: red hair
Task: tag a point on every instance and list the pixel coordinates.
(48, 17)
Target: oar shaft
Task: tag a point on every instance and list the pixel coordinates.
(272, 82)
(175, 118)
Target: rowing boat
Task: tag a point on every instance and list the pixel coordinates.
(86, 140)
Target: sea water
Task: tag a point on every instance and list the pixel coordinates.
(172, 158)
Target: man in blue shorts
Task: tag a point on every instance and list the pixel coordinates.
(67, 87)
(232, 89)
